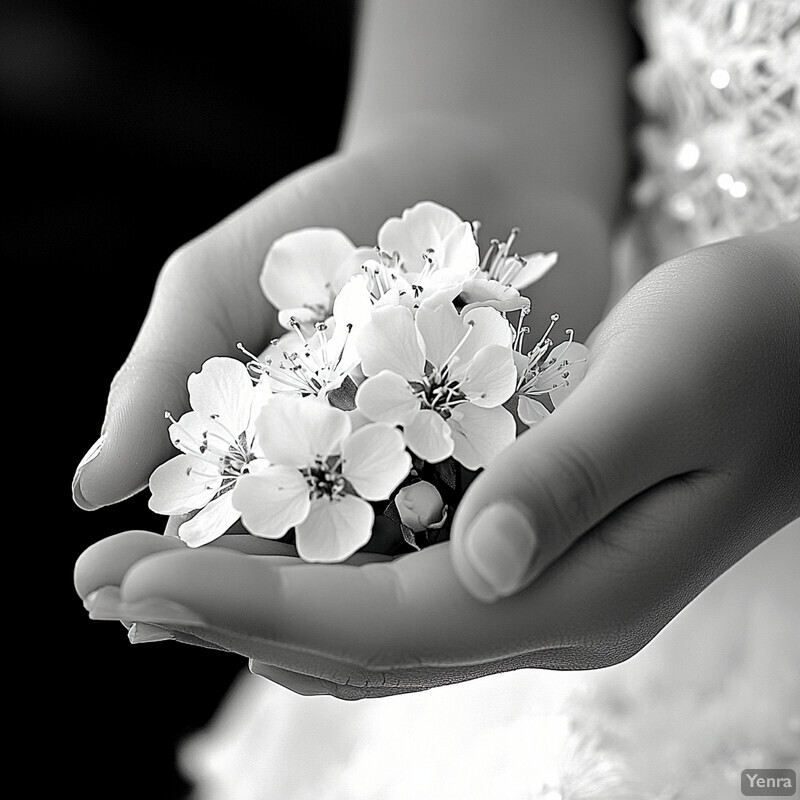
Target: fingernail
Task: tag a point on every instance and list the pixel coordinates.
(500, 545)
(77, 493)
(103, 604)
(142, 633)
(161, 612)
(304, 685)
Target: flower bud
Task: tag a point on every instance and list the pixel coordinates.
(420, 505)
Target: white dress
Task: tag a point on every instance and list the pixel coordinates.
(718, 690)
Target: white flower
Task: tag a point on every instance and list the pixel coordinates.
(443, 377)
(502, 275)
(420, 505)
(499, 264)
(430, 252)
(317, 364)
(429, 237)
(546, 370)
(427, 249)
(304, 271)
(319, 471)
(216, 438)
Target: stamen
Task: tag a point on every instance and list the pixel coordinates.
(510, 241)
(321, 327)
(499, 258)
(229, 459)
(253, 356)
(490, 251)
(295, 325)
(514, 266)
(430, 263)
(470, 326)
(336, 366)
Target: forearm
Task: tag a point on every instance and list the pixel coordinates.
(536, 89)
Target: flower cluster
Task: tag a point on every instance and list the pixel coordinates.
(402, 366)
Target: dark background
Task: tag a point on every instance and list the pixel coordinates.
(131, 128)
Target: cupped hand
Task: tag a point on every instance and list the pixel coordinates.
(208, 298)
(677, 454)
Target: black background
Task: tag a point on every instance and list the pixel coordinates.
(133, 128)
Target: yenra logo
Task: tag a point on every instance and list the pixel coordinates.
(769, 782)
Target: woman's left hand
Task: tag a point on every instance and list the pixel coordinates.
(677, 454)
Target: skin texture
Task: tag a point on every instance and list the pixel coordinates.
(676, 455)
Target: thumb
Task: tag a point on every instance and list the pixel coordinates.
(612, 438)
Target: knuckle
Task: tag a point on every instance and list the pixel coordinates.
(573, 489)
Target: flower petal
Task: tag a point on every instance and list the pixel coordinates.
(480, 434)
(334, 529)
(442, 330)
(531, 412)
(294, 431)
(482, 291)
(272, 500)
(305, 317)
(352, 309)
(460, 250)
(188, 432)
(223, 391)
(425, 225)
(183, 484)
(210, 522)
(491, 377)
(567, 358)
(375, 460)
(486, 327)
(351, 266)
(536, 266)
(353, 305)
(286, 343)
(419, 505)
(390, 341)
(576, 357)
(490, 327)
(429, 437)
(262, 392)
(520, 362)
(387, 397)
(301, 267)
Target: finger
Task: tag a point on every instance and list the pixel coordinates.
(625, 427)
(316, 618)
(106, 562)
